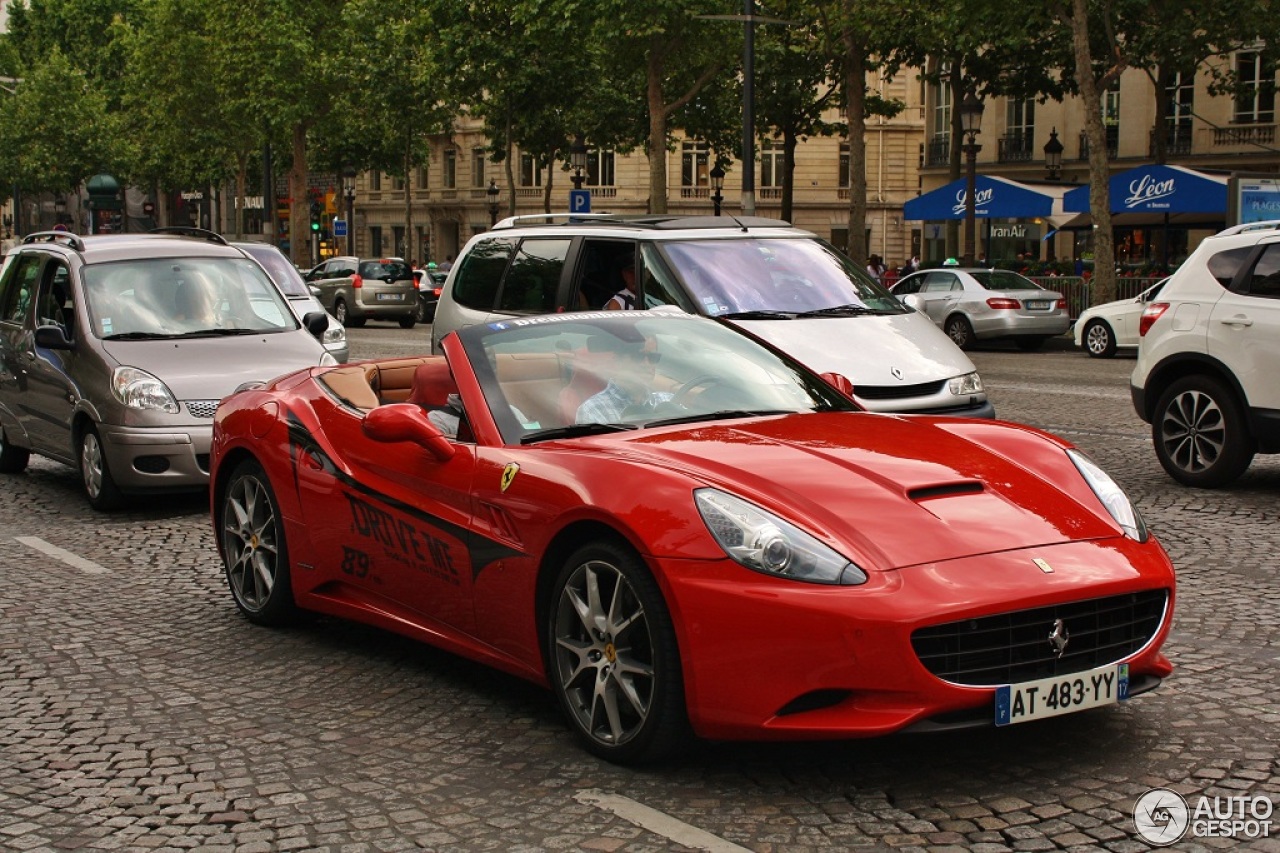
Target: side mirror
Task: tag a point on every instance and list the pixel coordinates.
(52, 337)
(913, 300)
(840, 383)
(316, 322)
(398, 422)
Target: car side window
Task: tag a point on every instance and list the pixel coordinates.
(657, 285)
(940, 282)
(475, 284)
(19, 288)
(598, 278)
(911, 285)
(533, 281)
(54, 305)
(1265, 279)
(1224, 265)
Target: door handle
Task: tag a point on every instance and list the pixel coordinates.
(1238, 320)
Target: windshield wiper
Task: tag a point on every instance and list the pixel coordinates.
(838, 311)
(722, 415)
(213, 333)
(759, 315)
(574, 431)
(139, 336)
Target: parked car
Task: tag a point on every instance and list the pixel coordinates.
(430, 283)
(973, 304)
(115, 350)
(356, 290)
(289, 280)
(796, 569)
(1103, 329)
(1209, 356)
(779, 283)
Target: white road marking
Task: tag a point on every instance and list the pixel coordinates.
(658, 823)
(76, 562)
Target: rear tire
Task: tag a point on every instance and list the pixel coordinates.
(340, 312)
(1200, 433)
(95, 474)
(1099, 339)
(960, 331)
(410, 322)
(254, 554)
(13, 460)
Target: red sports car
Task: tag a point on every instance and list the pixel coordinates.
(679, 529)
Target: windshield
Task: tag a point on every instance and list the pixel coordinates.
(176, 297)
(280, 268)
(575, 374)
(1003, 280)
(794, 275)
(386, 270)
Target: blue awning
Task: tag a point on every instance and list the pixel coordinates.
(1157, 189)
(995, 198)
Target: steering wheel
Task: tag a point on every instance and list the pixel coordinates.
(686, 390)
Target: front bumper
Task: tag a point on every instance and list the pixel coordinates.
(766, 659)
(155, 459)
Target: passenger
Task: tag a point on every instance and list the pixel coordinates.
(625, 299)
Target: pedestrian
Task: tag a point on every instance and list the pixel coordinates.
(448, 263)
(875, 268)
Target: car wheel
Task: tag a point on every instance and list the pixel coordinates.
(253, 548)
(1200, 433)
(410, 322)
(13, 460)
(1099, 340)
(95, 474)
(960, 332)
(340, 312)
(1030, 343)
(614, 665)
(420, 313)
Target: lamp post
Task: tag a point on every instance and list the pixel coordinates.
(492, 194)
(970, 123)
(1053, 156)
(717, 184)
(578, 160)
(349, 192)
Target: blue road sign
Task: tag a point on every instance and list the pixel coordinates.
(579, 201)
(339, 227)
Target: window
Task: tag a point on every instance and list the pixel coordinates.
(397, 183)
(599, 168)
(375, 240)
(54, 305)
(1111, 108)
(477, 167)
(1181, 103)
(375, 180)
(844, 166)
(530, 171)
(940, 282)
(18, 287)
(657, 285)
(771, 164)
(1224, 265)
(1257, 103)
(695, 164)
(533, 281)
(942, 111)
(450, 166)
(1265, 280)
(481, 273)
(397, 237)
(421, 182)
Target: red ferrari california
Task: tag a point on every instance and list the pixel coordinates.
(680, 530)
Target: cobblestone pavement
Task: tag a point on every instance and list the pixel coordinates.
(138, 711)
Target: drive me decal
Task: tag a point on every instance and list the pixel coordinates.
(398, 540)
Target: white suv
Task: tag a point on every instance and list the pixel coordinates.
(1209, 357)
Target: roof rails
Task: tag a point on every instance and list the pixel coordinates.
(191, 231)
(665, 221)
(72, 240)
(1244, 228)
(552, 218)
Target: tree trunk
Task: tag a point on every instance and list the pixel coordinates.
(657, 136)
(410, 254)
(1103, 288)
(242, 189)
(1159, 131)
(855, 94)
(300, 201)
(951, 239)
(789, 142)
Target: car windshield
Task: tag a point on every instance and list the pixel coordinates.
(177, 297)
(792, 275)
(280, 269)
(386, 270)
(579, 374)
(1003, 280)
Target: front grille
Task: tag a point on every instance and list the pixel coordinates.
(898, 392)
(151, 464)
(202, 408)
(1014, 647)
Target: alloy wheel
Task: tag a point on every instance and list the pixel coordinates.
(92, 467)
(249, 539)
(1193, 431)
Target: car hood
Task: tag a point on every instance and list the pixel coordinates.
(891, 490)
(212, 368)
(867, 349)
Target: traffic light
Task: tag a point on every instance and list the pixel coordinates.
(315, 217)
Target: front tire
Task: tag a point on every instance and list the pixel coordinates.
(960, 331)
(1099, 340)
(95, 474)
(254, 553)
(13, 460)
(1200, 433)
(613, 661)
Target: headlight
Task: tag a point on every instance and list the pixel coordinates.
(138, 389)
(765, 543)
(970, 383)
(1112, 497)
(334, 335)
(327, 360)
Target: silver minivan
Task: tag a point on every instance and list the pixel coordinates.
(779, 283)
(116, 349)
(359, 289)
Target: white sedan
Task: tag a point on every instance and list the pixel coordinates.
(1102, 329)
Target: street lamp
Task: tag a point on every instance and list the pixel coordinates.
(349, 192)
(578, 159)
(492, 193)
(970, 123)
(1053, 155)
(717, 184)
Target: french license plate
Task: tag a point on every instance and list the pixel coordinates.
(1039, 304)
(388, 297)
(1063, 694)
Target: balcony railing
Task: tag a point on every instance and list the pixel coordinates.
(695, 192)
(1177, 141)
(938, 152)
(769, 193)
(1113, 142)
(1245, 134)
(603, 192)
(1015, 148)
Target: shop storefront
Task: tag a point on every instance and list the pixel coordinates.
(1013, 218)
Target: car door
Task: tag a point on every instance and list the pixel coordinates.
(17, 293)
(1244, 329)
(50, 398)
(940, 293)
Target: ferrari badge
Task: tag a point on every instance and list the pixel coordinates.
(509, 474)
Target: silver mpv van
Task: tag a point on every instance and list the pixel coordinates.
(116, 349)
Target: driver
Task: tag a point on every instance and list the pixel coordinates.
(631, 370)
